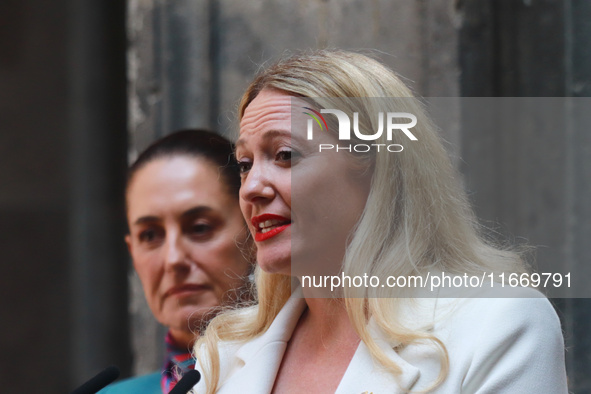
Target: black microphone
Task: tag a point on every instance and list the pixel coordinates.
(101, 380)
(186, 383)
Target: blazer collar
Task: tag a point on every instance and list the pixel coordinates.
(280, 330)
(252, 367)
(255, 363)
(365, 375)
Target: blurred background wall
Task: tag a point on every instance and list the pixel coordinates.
(86, 85)
(63, 144)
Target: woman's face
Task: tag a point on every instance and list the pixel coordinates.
(184, 230)
(300, 204)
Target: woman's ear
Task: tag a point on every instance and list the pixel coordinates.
(128, 243)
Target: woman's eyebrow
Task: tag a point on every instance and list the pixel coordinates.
(197, 211)
(267, 135)
(146, 219)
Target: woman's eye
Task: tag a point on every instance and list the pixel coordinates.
(200, 231)
(244, 166)
(200, 228)
(149, 235)
(284, 155)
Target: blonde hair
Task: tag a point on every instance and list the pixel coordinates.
(416, 218)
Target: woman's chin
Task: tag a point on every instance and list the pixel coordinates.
(191, 316)
(274, 261)
(275, 267)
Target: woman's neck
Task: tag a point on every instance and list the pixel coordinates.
(183, 339)
(328, 319)
(320, 348)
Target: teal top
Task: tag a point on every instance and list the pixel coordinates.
(146, 384)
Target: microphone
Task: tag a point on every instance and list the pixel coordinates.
(186, 383)
(101, 380)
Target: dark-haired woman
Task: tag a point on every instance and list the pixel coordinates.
(186, 234)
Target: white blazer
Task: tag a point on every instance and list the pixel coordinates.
(495, 345)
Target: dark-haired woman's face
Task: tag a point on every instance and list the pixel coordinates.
(185, 229)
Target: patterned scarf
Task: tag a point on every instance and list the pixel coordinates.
(177, 362)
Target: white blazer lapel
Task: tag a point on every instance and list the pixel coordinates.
(365, 375)
(251, 368)
(256, 362)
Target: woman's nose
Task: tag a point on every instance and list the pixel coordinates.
(257, 185)
(175, 254)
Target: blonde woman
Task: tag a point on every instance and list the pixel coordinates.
(316, 211)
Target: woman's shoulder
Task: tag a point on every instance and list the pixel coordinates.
(506, 309)
(508, 341)
(145, 384)
(517, 318)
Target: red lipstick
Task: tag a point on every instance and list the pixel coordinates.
(268, 225)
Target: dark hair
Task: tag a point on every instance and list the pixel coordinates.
(195, 143)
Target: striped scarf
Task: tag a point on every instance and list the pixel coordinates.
(177, 362)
